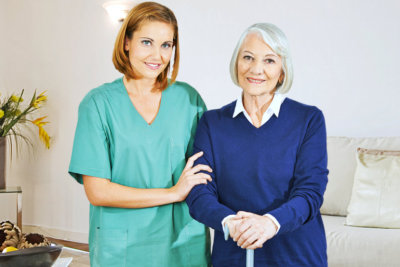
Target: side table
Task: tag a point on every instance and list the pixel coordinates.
(15, 190)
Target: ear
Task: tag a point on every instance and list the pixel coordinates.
(280, 81)
(126, 44)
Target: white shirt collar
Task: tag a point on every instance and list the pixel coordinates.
(273, 108)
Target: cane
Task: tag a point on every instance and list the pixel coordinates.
(249, 252)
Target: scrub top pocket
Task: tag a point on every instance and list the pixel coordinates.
(112, 248)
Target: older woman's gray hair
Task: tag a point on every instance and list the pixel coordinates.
(277, 40)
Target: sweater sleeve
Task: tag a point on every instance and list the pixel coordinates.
(310, 178)
(203, 199)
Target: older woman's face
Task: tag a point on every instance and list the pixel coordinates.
(258, 67)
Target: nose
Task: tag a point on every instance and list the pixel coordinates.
(156, 53)
(256, 68)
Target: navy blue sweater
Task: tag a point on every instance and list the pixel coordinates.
(279, 168)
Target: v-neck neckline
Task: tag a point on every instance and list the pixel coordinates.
(253, 128)
(134, 109)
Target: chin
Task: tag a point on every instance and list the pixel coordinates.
(257, 91)
(151, 75)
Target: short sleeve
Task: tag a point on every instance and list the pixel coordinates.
(90, 152)
(200, 109)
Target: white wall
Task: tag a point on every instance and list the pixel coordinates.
(345, 57)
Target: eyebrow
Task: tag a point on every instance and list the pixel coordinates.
(246, 51)
(269, 54)
(148, 38)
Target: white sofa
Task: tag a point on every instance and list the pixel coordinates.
(348, 245)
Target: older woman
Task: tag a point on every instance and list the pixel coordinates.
(268, 153)
(130, 148)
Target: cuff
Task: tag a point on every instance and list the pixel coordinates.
(226, 218)
(272, 218)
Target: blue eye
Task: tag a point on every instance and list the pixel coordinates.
(166, 45)
(146, 42)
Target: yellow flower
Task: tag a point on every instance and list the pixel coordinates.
(16, 99)
(43, 135)
(1, 113)
(41, 98)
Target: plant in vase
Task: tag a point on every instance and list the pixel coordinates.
(13, 113)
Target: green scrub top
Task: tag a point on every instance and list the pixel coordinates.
(113, 141)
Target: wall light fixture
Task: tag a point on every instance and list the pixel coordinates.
(118, 10)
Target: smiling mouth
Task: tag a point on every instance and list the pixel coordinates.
(256, 81)
(153, 66)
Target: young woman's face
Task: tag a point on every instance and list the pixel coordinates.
(150, 49)
(258, 67)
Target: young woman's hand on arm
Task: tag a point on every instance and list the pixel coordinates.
(103, 192)
(190, 177)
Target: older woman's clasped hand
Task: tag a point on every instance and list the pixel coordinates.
(250, 230)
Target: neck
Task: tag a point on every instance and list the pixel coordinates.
(139, 86)
(256, 106)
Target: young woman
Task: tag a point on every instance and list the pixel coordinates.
(132, 138)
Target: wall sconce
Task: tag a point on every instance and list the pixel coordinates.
(118, 10)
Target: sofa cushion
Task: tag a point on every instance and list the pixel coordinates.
(359, 246)
(375, 197)
(342, 165)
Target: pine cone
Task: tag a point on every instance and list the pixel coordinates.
(10, 235)
(33, 240)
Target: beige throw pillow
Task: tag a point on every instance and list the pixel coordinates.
(375, 199)
(342, 166)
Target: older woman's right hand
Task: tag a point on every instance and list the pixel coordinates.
(253, 230)
(190, 177)
(233, 224)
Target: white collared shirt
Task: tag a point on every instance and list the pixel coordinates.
(273, 108)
